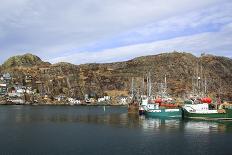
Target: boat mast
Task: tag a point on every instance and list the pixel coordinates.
(205, 92)
(197, 78)
(143, 86)
(201, 77)
(149, 84)
(220, 85)
(193, 85)
(165, 83)
(132, 87)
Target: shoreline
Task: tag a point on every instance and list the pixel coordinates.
(108, 105)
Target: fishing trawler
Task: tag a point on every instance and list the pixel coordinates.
(200, 106)
(162, 105)
(154, 110)
(133, 106)
(204, 110)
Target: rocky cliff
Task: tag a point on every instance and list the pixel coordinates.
(115, 78)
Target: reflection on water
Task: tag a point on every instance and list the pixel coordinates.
(159, 124)
(113, 116)
(91, 130)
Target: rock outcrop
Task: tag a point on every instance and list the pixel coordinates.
(26, 60)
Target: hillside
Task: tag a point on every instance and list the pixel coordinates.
(115, 78)
(26, 60)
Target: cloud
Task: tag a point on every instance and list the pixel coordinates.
(55, 29)
(208, 42)
(190, 23)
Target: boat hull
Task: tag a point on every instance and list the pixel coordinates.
(218, 116)
(133, 109)
(174, 113)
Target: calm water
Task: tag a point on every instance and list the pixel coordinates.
(90, 130)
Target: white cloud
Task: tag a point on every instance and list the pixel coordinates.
(205, 42)
(56, 28)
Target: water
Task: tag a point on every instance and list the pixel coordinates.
(91, 130)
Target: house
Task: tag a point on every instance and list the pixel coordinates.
(86, 96)
(28, 79)
(107, 98)
(19, 88)
(40, 87)
(103, 99)
(73, 101)
(3, 88)
(12, 91)
(123, 100)
(16, 91)
(100, 99)
(92, 100)
(6, 78)
(60, 98)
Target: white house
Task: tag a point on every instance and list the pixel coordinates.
(60, 98)
(100, 99)
(123, 100)
(105, 98)
(73, 101)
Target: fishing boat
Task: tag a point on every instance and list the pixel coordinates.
(154, 110)
(133, 106)
(200, 106)
(205, 110)
(162, 105)
(162, 108)
(143, 104)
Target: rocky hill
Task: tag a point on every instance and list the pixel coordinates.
(115, 78)
(26, 60)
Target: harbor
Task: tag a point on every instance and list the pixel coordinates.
(115, 77)
(197, 104)
(72, 130)
(150, 98)
(119, 108)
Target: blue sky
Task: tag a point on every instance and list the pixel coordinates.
(87, 31)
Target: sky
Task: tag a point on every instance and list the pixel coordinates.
(100, 31)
